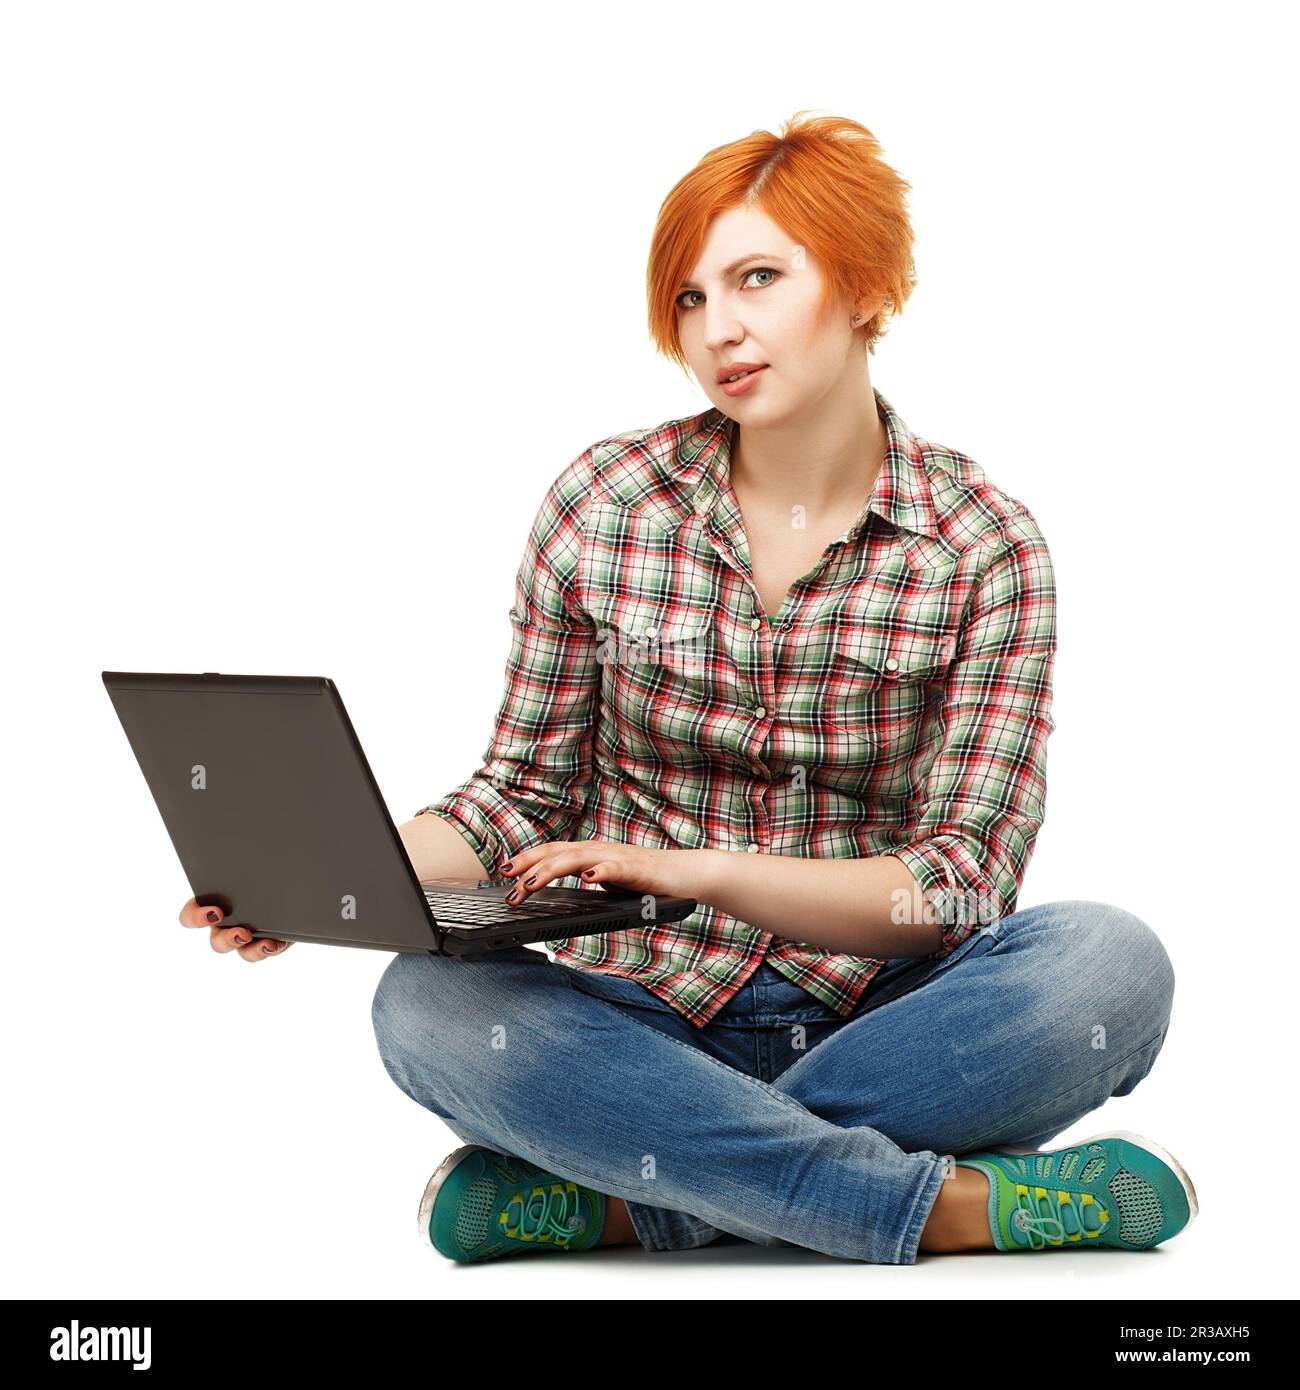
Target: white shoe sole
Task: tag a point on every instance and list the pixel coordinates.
(435, 1183)
(1142, 1142)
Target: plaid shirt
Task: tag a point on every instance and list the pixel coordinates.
(899, 703)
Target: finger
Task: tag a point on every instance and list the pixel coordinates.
(234, 936)
(527, 859)
(535, 877)
(263, 950)
(611, 885)
(547, 870)
(605, 874)
(513, 867)
(192, 915)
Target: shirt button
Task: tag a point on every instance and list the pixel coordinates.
(652, 632)
(760, 712)
(752, 849)
(891, 664)
(756, 623)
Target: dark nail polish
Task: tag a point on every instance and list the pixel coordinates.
(213, 915)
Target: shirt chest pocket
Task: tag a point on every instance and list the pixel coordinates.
(658, 661)
(884, 680)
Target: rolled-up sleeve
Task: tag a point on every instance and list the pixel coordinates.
(536, 770)
(985, 793)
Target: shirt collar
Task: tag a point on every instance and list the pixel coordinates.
(901, 494)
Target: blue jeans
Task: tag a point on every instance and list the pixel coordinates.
(781, 1122)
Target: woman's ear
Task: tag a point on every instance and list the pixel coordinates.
(867, 309)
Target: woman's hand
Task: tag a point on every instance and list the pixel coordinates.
(236, 937)
(667, 873)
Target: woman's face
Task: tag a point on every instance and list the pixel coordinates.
(752, 298)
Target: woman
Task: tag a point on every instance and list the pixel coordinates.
(787, 659)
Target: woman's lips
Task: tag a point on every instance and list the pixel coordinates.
(738, 388)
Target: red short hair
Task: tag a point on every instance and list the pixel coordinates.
(824, 182)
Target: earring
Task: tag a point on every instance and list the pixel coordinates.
(857, 318)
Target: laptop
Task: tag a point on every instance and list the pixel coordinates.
(277, 819)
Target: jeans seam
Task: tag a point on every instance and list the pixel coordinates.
(708, 1057)
(908, 1242)
(698, 1226)
(869, 1003)
(1053, 1100)
(652, 1004)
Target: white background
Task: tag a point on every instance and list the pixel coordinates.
(305, 306)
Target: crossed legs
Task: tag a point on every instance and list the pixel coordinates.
(1031, 1025)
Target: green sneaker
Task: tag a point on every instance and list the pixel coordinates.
(481, 1204)
(1115, 1189)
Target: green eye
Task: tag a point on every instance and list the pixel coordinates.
(758, 270)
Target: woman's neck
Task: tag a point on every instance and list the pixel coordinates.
(826, 468)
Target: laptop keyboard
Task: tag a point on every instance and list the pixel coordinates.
(465, 910)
